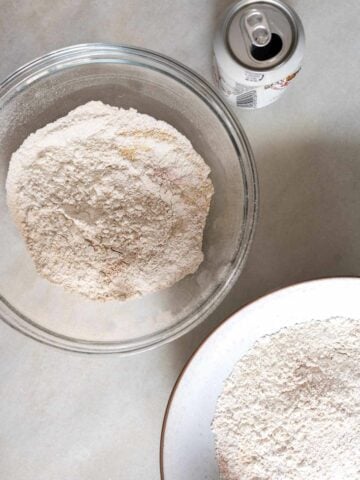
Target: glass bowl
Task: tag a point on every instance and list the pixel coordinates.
(51, 86)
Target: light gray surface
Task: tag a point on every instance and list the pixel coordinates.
(65, 416)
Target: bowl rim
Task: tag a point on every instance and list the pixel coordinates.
(71, 56)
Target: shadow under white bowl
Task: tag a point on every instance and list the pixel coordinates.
(187, 445)
(50, 87)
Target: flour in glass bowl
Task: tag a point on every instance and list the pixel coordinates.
(290, 410)
(111, 203)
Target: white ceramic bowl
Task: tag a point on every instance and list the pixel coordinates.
(187, 445)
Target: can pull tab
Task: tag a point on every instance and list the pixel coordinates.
(258, 28)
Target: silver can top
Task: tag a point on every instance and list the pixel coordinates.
(262, 34)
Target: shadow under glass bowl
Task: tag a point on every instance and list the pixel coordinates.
(51, 86)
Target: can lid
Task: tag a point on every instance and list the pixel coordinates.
(261, 34)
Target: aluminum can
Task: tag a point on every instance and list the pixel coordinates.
(258, 50)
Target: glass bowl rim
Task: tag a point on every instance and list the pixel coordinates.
(92, 53)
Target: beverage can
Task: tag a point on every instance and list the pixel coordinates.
(258, 50)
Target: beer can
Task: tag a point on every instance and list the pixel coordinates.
(258, 50)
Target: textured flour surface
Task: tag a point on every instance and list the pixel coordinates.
(291, 408)
(111, 203)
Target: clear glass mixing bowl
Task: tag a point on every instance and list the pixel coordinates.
(48, 88)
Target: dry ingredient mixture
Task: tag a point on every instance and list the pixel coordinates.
(112, 203)
(291, 408)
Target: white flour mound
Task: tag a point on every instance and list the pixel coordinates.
(111, 203)
(291, 408)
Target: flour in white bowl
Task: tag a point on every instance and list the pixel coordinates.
(290, 410)
(111, 203)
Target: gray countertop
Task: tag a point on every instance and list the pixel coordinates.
(73, 417)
